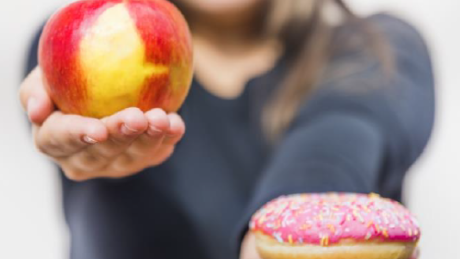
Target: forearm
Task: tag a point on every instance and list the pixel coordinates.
(337, 152)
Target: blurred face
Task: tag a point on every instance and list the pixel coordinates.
(219, 7)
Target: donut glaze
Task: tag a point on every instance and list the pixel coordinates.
(327, 219)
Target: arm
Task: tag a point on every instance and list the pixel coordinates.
(345, 140)
(337, 152)
(85, 148)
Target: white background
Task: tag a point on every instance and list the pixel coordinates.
(31, 224)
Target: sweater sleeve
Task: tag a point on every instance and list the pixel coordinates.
(361, 130)
(31, 60)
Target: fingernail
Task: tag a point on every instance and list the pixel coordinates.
(154, 131)
(89, 140)
(125, 129)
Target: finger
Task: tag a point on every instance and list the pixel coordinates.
(174, 135)
(123, 127)
(248, 247)
(64, 135)
(148, 142)
(34, 98)
(176, 130)
(158, 122)
(73, 173)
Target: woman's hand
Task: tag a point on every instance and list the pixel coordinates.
(117, 146)
(248, 247)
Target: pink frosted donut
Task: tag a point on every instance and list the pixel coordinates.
(335, 225)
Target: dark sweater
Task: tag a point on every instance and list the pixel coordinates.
(360, 131)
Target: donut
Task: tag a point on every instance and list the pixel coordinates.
(334, 226)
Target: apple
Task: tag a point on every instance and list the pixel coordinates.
(101, 56)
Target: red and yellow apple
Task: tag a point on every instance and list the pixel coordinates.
(101, 56)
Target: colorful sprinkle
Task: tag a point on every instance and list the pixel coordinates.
(385, 233)
(332, 228)
(325, 219)
(324, 241)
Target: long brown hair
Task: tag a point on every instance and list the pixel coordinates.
(306, 27)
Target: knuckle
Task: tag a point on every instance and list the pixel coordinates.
(41, 149)
(72, 137)
(141, 151)
(75, 175)
(160, 157)
(122, 164)
(46, 139)
(168, 153)
(108, 153)
(48, 146)
(120, 142)
(92, 163)
(40, 145)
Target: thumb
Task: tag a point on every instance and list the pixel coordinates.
(248, 247)
(34, 98)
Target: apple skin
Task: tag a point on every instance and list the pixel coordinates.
(101, 56)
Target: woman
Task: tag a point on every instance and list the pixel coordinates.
(289, 97)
